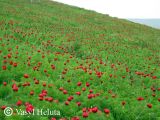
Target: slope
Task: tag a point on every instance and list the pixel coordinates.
(59, 57)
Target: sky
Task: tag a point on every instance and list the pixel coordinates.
(120, 8)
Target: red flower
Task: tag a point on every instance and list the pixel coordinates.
(65, 92)
(79, 103)
(90, 72)
(90, 96)
(44, 84)
(44, 92)
(19, 103)
(94, 110)
(140, 98)
(149, 105)
(123, 103)
(87, 84)
(14, 64)
(29, 108)
(36, 81)
(154, 77)
(99, 74)
(79, 83)
(107, 111)
(70, 98)
(55, 59)
(84, 109)
(85, 114)
(53, 67)
(153, 89)
(40, 98)
(14, 87)
(78, 93)
(67, 103)
(75, 118)
(53, 119)
(4, 83)
(110, 75)
(4, 67)
(153, 94)
(26, 76)
(127, 70)
(9, 56)
(3, 107)
(50, 99)
(61, 88)
(45, 70)
(90, 91)
(83, 89)
(32, 93)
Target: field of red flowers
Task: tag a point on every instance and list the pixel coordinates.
(81, 64)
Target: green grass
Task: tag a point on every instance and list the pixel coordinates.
(79, 43)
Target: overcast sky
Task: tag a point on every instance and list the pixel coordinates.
(120, 8)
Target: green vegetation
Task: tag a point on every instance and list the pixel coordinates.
(81, 63)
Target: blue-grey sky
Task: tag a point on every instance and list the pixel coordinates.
(120, 8)
(150, 22)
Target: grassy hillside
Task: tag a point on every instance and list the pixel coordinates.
(81, 64)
